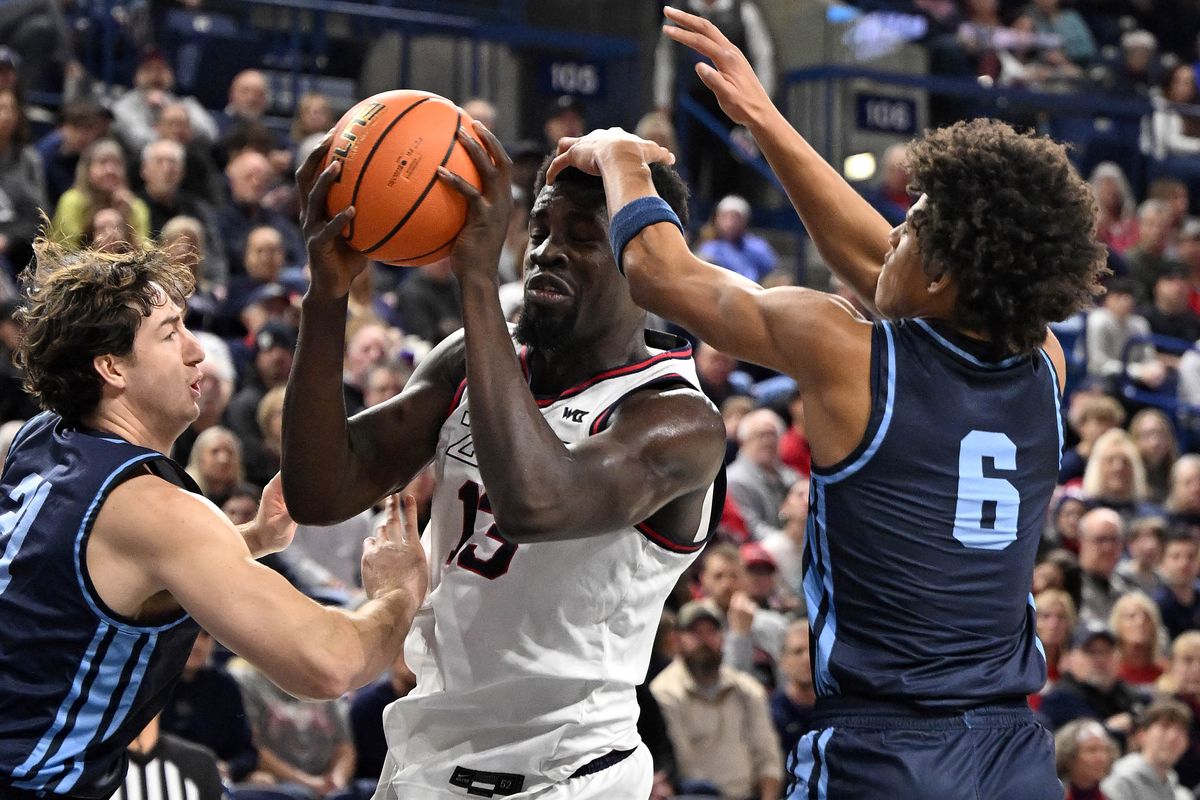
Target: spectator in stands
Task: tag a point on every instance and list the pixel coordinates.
(1056, 620)
(1147, 773)
(976, 37)
(108, 231)
(206, 709)
(22, 188)
(367, 347)
(429, 302)
(1171, 313)
(15, 403)
(263, 260)
(891, 197)
(1149, 258)
(216, 463)
(1175, 194)
(100, 182)
(273, 346)
(1101, 535)
(719, 375)
(384, 381)
(1154, 436)
(1036, 60)
(1090, 415)
(301, 745)
(1109, 330)
(1116, 220)
(752, 634)
(656, 126)
(1179, 600)
(762, 579)
(250, 177)
(792, 703)
(1078, 44)
(787, 546)
(1138, 72)
(1062, 529)
(1147, 535)
(482, 110)
(758, 480)
(1115, 477)
(1182, 682)
(1083, 755)
(1136, 621)
(717, 716)
(1058, 569)
(1173, 134)
(184, 238)
(1090, 686)
(1183, 501)
(1188, 251)
(200, 174)
(263, 453)
(313, 119)
(169, 767)
(366, 719)
(565, 116)
(734, 247)
(793, 447)
(711, 170)
(82, 123)
(138, 109)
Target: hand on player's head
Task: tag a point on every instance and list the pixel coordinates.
(393, 559)
(586, 153)
(489, 208)
(730, 76)
(333, 263)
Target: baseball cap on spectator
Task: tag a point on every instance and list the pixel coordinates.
(274, 334)
(695, 611)
(1089, 632)
(266, 293)
(1138, 38)
(83, 112)
(755, 555)
(734, 203)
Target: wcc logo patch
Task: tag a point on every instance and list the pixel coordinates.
(575, 415)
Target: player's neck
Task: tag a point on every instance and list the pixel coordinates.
(555, 372)
(120, 421)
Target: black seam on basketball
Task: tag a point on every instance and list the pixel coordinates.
(371, 154)
(420, 199)
(430, 252)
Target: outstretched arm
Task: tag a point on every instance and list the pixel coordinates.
(850, 235)
(152, 537)
(659, 447)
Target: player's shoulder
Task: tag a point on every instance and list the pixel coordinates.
(673, 411)
(446, 363)
(149, 513)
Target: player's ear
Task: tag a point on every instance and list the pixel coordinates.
(111, 370)
(938, 282)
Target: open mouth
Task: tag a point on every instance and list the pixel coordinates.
(546, 288)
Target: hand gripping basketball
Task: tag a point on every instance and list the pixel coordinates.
(332, 261)
(488, 209)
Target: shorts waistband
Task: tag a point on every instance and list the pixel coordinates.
(840, 711)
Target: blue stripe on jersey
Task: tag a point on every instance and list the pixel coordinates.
(112, 682)
(1037, 640)
(812, 769)
(1057, 402)
(823, 616)
(963, 354)
(823, 780)
(81, 684)
(112, 713)
(20, 527)
(862, 460)
(84, 527)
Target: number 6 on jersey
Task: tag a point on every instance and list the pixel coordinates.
(986, 515)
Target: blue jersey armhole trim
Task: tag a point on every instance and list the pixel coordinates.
(90, 595)
(963, 354)
(1058, 417)
(843, 470)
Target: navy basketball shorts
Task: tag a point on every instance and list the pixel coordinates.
(857, 751)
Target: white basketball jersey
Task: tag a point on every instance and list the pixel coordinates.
(527, 656)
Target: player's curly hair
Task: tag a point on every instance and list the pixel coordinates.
(80, 304)
(668, 183)
(1012, 221)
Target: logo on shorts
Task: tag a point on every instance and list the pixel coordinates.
(487, 784)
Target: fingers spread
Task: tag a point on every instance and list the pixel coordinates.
(315, 210)
(459, 185)
(336, 225)
(483, 161)
(305, 172)
(698, 42)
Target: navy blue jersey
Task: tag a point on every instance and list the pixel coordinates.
(77, 681)
(920, 547)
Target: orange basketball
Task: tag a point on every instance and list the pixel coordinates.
(390, 146)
